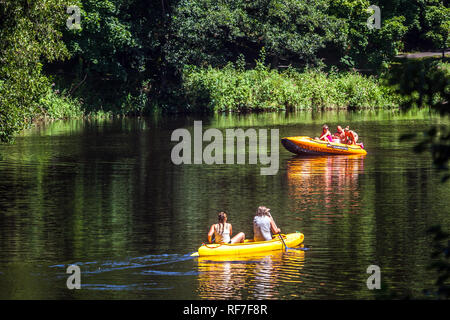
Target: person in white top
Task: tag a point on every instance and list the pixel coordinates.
(263, 225)
(222, 231)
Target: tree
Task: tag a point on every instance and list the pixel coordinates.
(437, 22)
(29, 36)
(106, 54)
(209, 32)
(365, 46)
(118, 55)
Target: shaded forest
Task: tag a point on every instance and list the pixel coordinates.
(130, 57)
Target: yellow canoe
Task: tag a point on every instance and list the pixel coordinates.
(307, 145)
(250, 246)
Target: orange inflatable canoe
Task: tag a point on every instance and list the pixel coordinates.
(305, 145)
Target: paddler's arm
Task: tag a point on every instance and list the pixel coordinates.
(210, 234)
(328, 133)
(274, 227)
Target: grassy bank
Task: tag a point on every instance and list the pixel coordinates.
(235, 89)
(259, 89)
(56, 106)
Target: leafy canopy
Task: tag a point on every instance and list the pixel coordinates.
(30, 35)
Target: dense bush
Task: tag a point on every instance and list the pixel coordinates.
(30, 35)
(234, 89)
(130, 56)
(58, 106)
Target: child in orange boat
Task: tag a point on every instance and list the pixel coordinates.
(339, 136)
(326, 134)
(351, 137)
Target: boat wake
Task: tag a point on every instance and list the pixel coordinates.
(132, 273)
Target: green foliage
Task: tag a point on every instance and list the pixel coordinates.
(104, 36)
(437, 22)
(421, 19)
(426, 83)
(116, 57)
(229, 88)
(387, 42)
(367, 47)
(29, 36)
(441, 254)
(129, 55)
(207, 32)
(421, 83)
(56, 105)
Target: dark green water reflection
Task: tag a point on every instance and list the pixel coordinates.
(105, 195)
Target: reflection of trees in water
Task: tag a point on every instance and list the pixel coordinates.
(425, 83)
(325, 182)
(243, 277)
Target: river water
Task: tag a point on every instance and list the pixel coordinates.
(105, 195)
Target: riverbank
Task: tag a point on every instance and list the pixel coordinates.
(262, 89)
(235, 89)
(209, 90)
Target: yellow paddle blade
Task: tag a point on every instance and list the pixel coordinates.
(195, 254)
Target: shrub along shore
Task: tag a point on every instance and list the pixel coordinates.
(236, 89)
(209, 90)
(264, 89)
(135, 57)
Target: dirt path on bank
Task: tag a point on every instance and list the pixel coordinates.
(418, 55)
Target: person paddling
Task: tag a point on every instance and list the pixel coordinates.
(263, 225)
(222, 231)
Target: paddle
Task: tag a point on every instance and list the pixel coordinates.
(285, 246)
